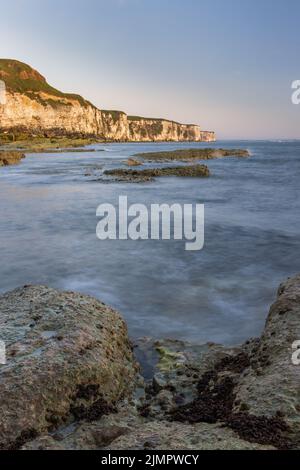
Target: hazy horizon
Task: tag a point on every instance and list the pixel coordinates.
(226, 66)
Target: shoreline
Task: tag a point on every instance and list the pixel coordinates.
(60, 143)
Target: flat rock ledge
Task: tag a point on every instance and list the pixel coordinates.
(71, 381)
(149, 174)
(192, 154)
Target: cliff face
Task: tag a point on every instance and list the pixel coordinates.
(33, 106)
(114, 125)
(147, 129)
(43, 113)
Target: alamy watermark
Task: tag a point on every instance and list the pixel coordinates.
(296, 94)
(2, 92)
(2, 353)
(296, 353)
(159, 222)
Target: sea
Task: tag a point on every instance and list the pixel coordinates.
(221, 293)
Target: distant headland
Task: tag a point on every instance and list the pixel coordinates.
(33, 107)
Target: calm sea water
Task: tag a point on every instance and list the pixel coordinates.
(222, 293)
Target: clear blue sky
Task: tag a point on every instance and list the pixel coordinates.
(227, 65)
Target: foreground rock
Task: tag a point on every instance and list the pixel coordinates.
(175, 378)
(253, 389)
(193, 154)
(10, 158)
(130, 432)
(68, 359)
(190, 396)
(271, 385)
(148, 174)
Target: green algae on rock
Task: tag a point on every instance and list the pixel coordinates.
(193, 154)
(148, 174)
(44, 144)
(194, 397)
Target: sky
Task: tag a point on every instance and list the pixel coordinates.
(226, 65)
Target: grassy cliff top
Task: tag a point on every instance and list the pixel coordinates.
(22, 78)
(142, 118)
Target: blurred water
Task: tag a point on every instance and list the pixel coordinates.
(222, 293)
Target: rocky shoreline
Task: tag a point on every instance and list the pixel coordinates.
(73, 380)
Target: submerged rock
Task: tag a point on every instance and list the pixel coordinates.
(193, 154)
(68, 358)
(148, 174)
(133, 162)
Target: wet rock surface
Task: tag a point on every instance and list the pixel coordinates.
(185, 397)
(192, 154)
(148, 174)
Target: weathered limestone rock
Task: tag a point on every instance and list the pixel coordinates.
(44, 113)
(192, 396)
(162, 435)
(127, 431)
(68, 358)
(155, 130)
(271, 385)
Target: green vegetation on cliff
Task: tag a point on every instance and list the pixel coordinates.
(21, 78)
(140, 176)
(141, 118)
(51, 113)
